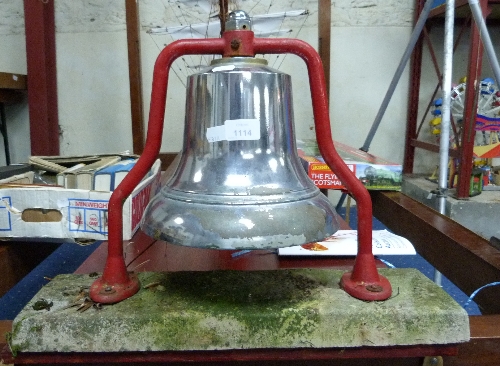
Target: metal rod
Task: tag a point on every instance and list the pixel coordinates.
(399, 71)
(485, 37)
(340, 203)
(444, 143)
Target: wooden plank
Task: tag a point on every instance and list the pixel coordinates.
(259, 357)
(12, 81)
(452, 249)
(5, 327)
(134, 72)
(413, 95)
(433, 147)
(42, 76)
(484, 346)
(8, 271)
(324, 41)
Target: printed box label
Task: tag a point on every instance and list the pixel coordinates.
(88, 216)
(5, 221)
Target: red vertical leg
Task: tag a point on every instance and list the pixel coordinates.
(42, 78)
(470, 112)
(413, 97)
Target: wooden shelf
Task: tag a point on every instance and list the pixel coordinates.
(13, 81)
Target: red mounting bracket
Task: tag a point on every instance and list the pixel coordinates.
(364, 282)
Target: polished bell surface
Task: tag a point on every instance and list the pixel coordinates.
(239, 183)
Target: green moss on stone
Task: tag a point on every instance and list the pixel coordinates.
(242, 309)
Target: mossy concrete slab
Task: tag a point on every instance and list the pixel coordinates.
(241, 310)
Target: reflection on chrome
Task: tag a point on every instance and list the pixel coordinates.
(247, 75)
(247, 222)
(237, 180)
(197, 176)
(273, 164)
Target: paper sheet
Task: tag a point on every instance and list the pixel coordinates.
(345, 243)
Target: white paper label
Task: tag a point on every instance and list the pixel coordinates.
(235, 130)
(242, 129)
(215, 134)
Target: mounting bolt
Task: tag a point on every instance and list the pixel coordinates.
(374, 288)
(108, 289)
(433, 361)
(235, 44)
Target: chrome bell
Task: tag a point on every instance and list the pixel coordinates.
(239, 183)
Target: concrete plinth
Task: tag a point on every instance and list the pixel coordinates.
(479, 214)
(241, 310)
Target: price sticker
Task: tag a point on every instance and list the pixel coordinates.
(235, 130)
(242, 129)
(217, 133)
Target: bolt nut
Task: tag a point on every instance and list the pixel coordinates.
(108, 289)
(235, 44)
(434, 361)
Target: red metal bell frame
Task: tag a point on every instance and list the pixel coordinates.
(116, 284)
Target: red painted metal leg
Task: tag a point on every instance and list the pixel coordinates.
(109, 293)
(364, 282)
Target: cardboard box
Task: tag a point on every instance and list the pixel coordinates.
(59, 214)
(375, 173)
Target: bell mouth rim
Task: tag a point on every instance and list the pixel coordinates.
(240, 199)
(267, 226)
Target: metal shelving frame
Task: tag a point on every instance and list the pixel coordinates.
(464, 152)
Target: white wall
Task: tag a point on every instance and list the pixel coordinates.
(366, 36)
(368, 39)
(94, 100)
(13, 60)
